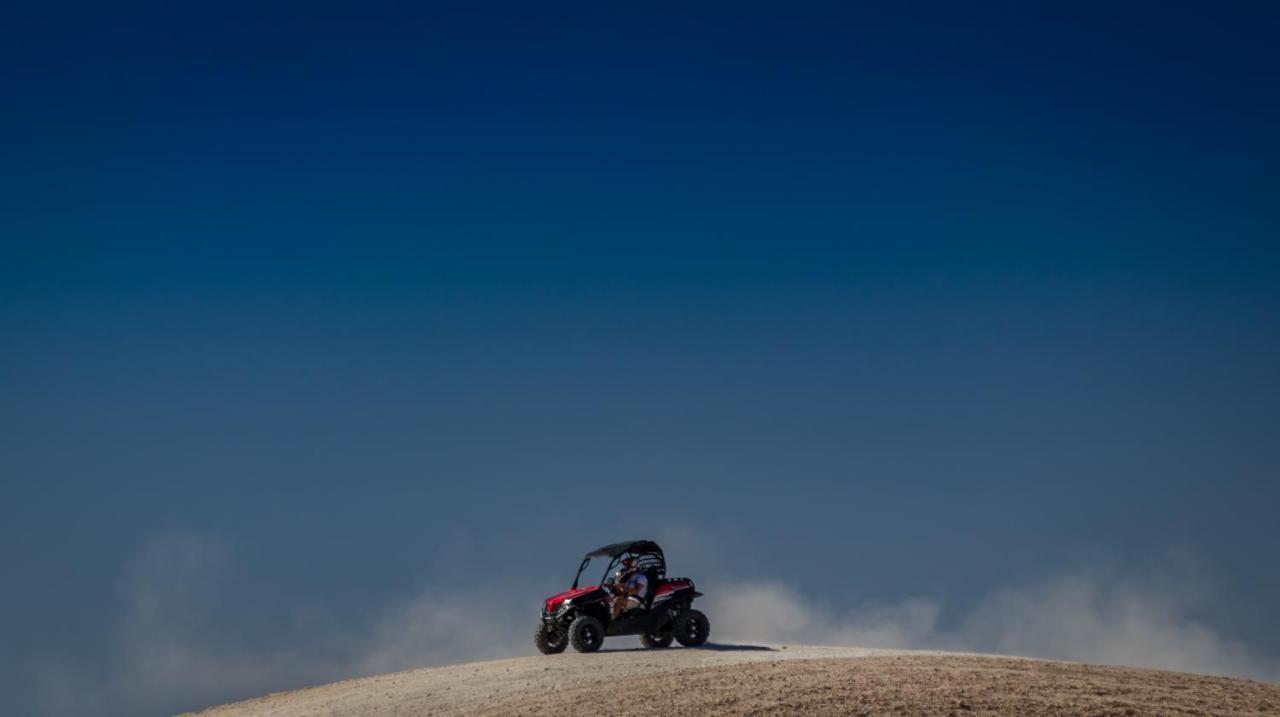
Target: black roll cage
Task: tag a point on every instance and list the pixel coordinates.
(647, 554)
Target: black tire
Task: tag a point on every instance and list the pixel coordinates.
(692, 628)
(586, 634)
(548, 642)
(656, 639)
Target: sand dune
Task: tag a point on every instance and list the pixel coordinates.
(747, 679)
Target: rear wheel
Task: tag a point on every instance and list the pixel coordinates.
(656, 639)
(692, 628)
(586, 634)
(548, 642)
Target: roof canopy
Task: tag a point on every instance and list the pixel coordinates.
(631, 546)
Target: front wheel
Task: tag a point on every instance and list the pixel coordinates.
(586, 633)
(656, 639)
(548, 642)
(692, 628)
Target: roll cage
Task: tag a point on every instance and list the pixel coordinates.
(646, 553)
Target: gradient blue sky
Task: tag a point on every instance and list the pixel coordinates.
(909, 301)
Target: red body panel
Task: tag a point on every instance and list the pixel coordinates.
(666, 587)
(554, 601)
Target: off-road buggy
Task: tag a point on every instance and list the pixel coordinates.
(581, 616)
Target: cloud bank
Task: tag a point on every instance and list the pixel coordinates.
(182, 640)
(1083, 616)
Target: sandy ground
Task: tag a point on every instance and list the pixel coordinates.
(771, 679)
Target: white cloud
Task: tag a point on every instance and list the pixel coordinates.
(1109, 619)
(178, 644)
(1084, 616)
(774, 613)
(437, 628)
(183, 640)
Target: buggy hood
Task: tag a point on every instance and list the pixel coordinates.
(553, 603)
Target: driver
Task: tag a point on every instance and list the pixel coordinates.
(629, 587)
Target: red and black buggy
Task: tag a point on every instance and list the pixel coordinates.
(580, 616)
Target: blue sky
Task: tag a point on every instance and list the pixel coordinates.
(880, 302)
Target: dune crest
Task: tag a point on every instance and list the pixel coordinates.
(743, 679)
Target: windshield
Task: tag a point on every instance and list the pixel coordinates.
(650, 564)
(609, 569)
(608, 572)
(581, 567)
